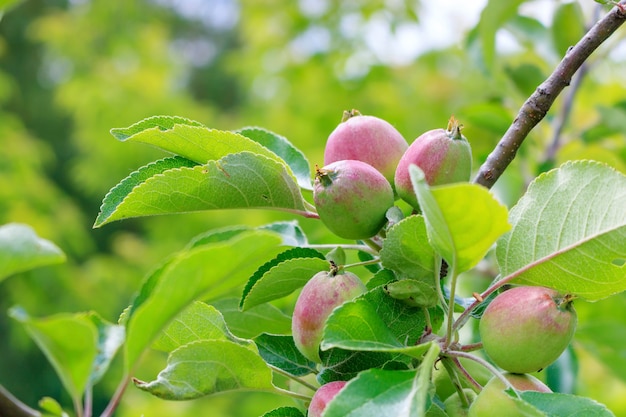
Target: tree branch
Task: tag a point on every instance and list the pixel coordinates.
(538, 104)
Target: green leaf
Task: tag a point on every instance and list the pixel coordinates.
(198, 321)
(208, 272)
(569, 232)
(565, 405)
(284, 412)
(209, 367)
(291, 232)
(283, 148)
(51, 408)
(190, 139)
(69, 342)
(406, 250)
(568, 26)
(282, 275)
(243, 180)
(462, 220)
(377, 322)
(281, 352)
(398, 393)
(21, 249)
(251, 323)
(492, 18)
(117, 194)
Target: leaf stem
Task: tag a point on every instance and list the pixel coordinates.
(293, 377)
(537, 105)
(293, 394)
(363, 263)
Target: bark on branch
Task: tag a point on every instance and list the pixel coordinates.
(538, 104)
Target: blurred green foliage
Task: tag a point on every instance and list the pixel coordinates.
(72, 70)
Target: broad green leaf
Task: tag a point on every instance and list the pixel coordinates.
(495, 14)
(568, 26)
(198, 321)
(391, 393)
(243, 180)
(69, 342)
(565, 405)
(462, 220)
(291, 232)
(209, 367)
(569, 232)
(117, 194)
(251, 323)
(21, 249)
(377, 322)
(284, 412)
(282, 275)
(283, 148)
(407, 252)
(208, 272)
(281, 352)
(190, 139)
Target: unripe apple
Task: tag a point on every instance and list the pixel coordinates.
(352, 198)
(318, 298)
(525, 329)
(368, 139)
(322, 396)
(444, 155)
(454, 405)
(493, 401)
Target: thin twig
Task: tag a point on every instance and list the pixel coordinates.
(538, 104)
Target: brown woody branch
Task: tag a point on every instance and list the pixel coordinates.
(538, 104)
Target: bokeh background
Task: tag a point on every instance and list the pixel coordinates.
(70, 70)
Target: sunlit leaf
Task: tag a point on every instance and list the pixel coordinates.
(281, 352)
(252, 322)
(243, 180)
(204, 272)
(21, 249)
(569, 232)
(69, 342)
(198, 321)
(282, 275)
(209, 367)
(283, 148)
(190, 139)
(462, 220)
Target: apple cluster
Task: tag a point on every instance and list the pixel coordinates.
(366, 167)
